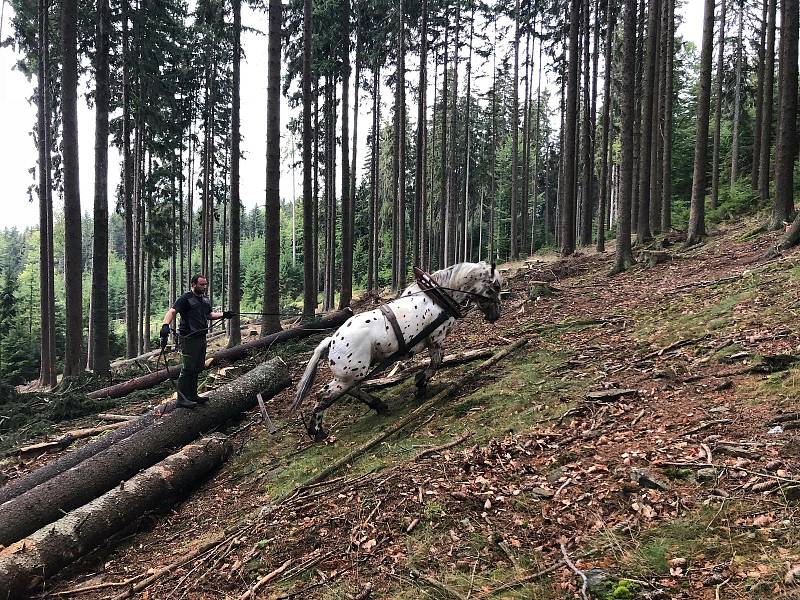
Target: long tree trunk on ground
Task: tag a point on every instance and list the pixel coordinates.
(99, 473)
(418, 235)
(718, 107)
(623, 257)
(73, 364)
(23, 566)
(99, 353)
(47, 370)
(586, 195)
(309, 285)
(783, 206)
(271, 306)
(697, 213)
(759, 97)
(347, 232)
(737, 105)
(234, 282)
(514, 250)
(646, 136)
(606, 123)
(570, 135)
(766, 105)
(666, 199)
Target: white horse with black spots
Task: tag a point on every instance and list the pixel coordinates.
(368, 339)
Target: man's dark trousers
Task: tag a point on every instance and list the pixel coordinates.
(193, 358)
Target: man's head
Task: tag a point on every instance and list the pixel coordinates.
(199, 285)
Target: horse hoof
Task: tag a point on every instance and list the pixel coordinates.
(320, 435)
(422, 391)
(382, 410)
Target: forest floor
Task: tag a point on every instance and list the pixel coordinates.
(676, 485)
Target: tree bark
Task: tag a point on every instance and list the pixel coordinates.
(73, 271)
(586, 195)
(234, 257)
(347, 232)
(309, 285)
(666, 200)
(513, 242)
(24, 565)
(400, 136)
(418, 235)
(97, 474)
(697, 212)
(718, 107)
(783, 206)
(766, 105)
(372, 263)
(99, 352)
(570, 136)
(623, 257)
(759, 97)
(606, 123)
(443, 228)
(737, 105)
(643, 232)
(271, 306)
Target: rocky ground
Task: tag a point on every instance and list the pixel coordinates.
(643, 437)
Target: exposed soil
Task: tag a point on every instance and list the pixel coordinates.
(676, 485)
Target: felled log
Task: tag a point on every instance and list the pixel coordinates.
(99, 473)
(448, 361)
(66, 439)
(227, 354)
(24, 564)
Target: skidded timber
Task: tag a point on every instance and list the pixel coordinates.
(100, 472)
(226, 355)
(25, 564)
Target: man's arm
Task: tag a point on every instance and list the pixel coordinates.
(169, 316)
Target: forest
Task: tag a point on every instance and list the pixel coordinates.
(632, 187)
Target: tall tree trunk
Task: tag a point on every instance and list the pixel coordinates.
(353, 163)
(666, 200)
(697, 214)
(418, 234)
(766, 105)
(131, 307)
(443, 229)
(637, 138)
(309, 285)
(526, 121)
(316, 186)
(373, 191)
(451, 240)
(718, 106)
(47, 371)
(623, 257)
(656, 154)
(73, 364)
(646, 137)
(99, 352)
(234, 282)
(490, 251)
(514, 246)
(466, 247)
(783, 206)
(570, 136)
(347, 232)
(606, 123)
(759, 93)
(401, 150)
(271, 306)
(536, 152)
(585, 225)
(737, 105)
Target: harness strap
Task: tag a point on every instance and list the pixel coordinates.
(402, 349)
(437, 294)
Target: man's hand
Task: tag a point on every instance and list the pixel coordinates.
(227, 314)
(164, 335)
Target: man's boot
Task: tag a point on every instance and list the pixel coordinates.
(184, 402)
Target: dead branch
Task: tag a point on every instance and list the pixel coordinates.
(437, 449)
(448, 361)
(115, 417)
(67, 439)
(265, 580)
(433, 582)
(706, 425)
(576, 570)
(520, 581)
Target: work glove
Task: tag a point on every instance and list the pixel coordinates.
(227, 314)
(164, 335)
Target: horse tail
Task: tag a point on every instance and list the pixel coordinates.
(307, 380)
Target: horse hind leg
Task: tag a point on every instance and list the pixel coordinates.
(375, 403)
(330, 393)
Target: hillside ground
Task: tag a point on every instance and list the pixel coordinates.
(645, 432)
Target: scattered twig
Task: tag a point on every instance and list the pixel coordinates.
(521, 581)
(251, 593)
(97, 586)
(433, 582)
(576, 570)
(447, 446)
(706, 425)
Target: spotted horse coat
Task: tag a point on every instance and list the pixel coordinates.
(368, 339)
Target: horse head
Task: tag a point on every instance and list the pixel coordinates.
(482, 283)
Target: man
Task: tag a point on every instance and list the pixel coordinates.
(195, 310)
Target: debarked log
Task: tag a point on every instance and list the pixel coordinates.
(226, 355)
(25, 564)
(100, 472)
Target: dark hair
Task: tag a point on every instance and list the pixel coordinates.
(197, 277)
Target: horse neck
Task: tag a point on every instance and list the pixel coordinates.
(453, 278)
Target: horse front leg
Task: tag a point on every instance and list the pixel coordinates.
(375, 403)
(423, 377)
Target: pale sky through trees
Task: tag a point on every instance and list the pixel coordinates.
(18, 153)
